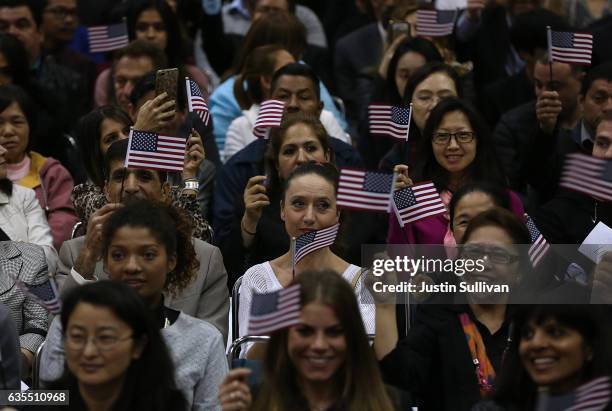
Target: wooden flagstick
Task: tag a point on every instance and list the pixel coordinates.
(550, 59)
(293, 256)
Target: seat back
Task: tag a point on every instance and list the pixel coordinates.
(236, 307)
(36, 367)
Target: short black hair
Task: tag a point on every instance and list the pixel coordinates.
(600, 72)
(36, 7)
(297, 69)
(117, 152)
(528, 31)
(497, 193)
(146, 84)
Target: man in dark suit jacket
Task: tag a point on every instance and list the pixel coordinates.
(206, 297)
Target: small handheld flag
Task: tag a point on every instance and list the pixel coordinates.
(274, 311)
(569, 47)
(435, 23)
(315, 240)
(539, 245)
(196, 102)
(365, 190)
(417, 202)
(155, 151)
(389, 120)
(44, 294)
(270, 115)
(588, 175)
(107, 37)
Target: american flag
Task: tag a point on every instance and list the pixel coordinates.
(274, 311)
(364, 190)
(45, 294)
(155, 151)
(571, 48)
(107, 38)
(417, 202)
(270, 115)
(539, 245)
(309, 242)
(389, 120)
(435, 23)
(196, 102)
(588, 175)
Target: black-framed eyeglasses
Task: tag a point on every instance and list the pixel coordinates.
(462, 137)
(495, 255)
(102, 342)
(61, 12)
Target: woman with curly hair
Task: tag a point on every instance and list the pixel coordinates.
(152, 253)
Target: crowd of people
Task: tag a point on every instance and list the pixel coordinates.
(157, 271)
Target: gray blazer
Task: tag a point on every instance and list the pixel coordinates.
(26, 262)
(205, 298)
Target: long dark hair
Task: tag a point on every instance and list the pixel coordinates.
(417, 45)
(485, 166)
(88, 134)
(149, 383)
(359, 380)
(169, 226)
(175, 49)
(516, 388)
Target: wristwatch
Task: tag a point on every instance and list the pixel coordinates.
(191, 185)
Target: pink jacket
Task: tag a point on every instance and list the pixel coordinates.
(432, 230)
(53, 185)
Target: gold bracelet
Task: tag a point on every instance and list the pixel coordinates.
(242, 227)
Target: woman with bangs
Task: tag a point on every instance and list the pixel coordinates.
(152, 253)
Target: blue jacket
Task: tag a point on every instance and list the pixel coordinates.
(224, 109)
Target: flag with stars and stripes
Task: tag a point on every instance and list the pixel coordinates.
(571, 48)
(588, 175)
(45, 294)
(389, 120)
(196, 102)
(108, 37)
(274, 311)
(417, 202)
(155, 151)
(435, 23)
(312, 241)
(539, 245)
(270, 115)
(364, 190)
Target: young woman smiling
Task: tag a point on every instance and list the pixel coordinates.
(456, 149)
(115, 356)
(322, 364)
(152, 252)
(558, 350)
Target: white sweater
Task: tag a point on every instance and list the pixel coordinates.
(240, 132)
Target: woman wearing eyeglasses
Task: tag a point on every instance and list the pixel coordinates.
(450, 357)
(456, 149)
(116, 358)
(152, 253)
